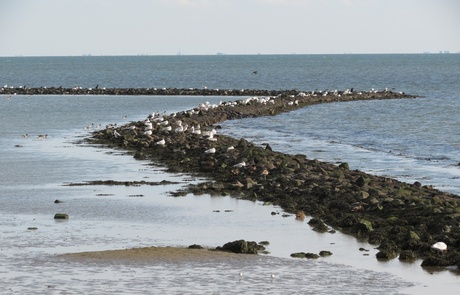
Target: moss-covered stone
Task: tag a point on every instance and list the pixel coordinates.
(61, 216)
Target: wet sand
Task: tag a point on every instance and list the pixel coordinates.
(161, 254)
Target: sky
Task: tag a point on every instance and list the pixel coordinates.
(202, 27)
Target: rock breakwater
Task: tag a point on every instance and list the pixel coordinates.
(398, 217)
(24, 90)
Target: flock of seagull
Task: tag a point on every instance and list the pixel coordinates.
(157, 125)
(40, 136)
(177, 126)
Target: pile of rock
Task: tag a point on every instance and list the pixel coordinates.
(400, 217)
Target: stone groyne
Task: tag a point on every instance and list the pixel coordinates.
(402, 219)
(24, 90)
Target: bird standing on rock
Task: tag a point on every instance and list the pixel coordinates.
(240, 165)
(440, 246)
(210, 151)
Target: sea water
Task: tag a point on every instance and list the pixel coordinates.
(409, 139)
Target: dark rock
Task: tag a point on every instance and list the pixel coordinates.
(318, 225)
(363, 227)
(386, 255)
(305, 255)
(435, 261)
(298, 255)
(407, 255)
(361, 181)
(311, 255)
(195, 246)
(61, 216)
(344, 166)
(240, 247)
(325, 253)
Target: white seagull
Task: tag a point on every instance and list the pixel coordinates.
(440, 246)
(210, 151)
(161, 142)
(240, 165)
(148, 126)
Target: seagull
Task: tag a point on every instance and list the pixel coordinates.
(440, 246)
(210, 151)
(116, 134)
(195, 131)
(265, 173)
(148, 126)
(161, 142)
(240, 165)
(209, 134)
(132, 127)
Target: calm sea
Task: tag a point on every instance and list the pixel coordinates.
(408, 139)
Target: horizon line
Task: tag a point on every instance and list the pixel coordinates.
(235, 54)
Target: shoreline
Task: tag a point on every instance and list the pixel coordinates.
(404, 219)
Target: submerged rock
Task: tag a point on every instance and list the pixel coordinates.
(195, 246)
(61, 216)
(325, 253)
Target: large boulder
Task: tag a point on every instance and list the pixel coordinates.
(240, 247)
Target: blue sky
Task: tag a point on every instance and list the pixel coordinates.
(166, 27)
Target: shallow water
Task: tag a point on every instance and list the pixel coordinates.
(392, 138)
(120, 217)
